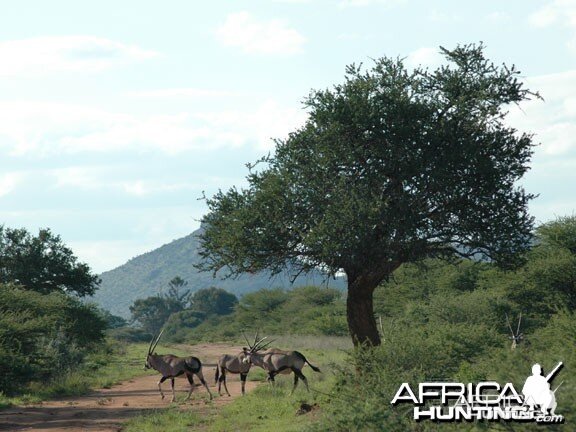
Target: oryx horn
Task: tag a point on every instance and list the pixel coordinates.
(155, 343)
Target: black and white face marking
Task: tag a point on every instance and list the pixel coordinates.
(247, 356)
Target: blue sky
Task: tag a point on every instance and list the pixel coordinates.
(116, 115)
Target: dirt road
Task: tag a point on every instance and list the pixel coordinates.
(106, 409)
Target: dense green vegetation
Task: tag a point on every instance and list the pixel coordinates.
(447, 322)
(45, 330)
(43, 335)
(43, 263)
(306, 310)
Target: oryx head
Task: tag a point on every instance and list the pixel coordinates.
(254, 347)
(151, 349)
(515, 336)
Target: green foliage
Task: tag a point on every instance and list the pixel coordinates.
(447, 322)
(43, 263)
(42, 335)
(391, 167)
(112, 321)
(462, 353)
(180, 324)
(152, 312)
(560, 233)
(304, 310)
(213, 301)
(261, 306)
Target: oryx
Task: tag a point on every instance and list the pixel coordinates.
(275, 361)
(171, 366)
(232, 364)
(516, 337)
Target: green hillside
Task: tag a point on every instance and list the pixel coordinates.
(149, 274)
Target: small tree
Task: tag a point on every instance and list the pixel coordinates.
(43, 263)
(392, 166)
(152, 312)
(214, 301)
(176, 291)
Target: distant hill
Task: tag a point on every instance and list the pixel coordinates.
(149, 274)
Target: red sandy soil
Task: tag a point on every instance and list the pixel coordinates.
(106, 409)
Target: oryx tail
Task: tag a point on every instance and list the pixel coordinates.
(314, 368)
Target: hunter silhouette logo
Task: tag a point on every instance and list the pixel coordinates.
(487, 400)
(537, 391)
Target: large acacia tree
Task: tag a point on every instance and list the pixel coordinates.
(391, 166)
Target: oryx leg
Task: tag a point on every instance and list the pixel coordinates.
(191, 381)
(223, 380)
(295, 382)
(242, 382)
(203, 381)
(160, 385)
(298, 374)
(173, 392)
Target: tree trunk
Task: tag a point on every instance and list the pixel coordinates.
(360, 313)
(359, 304)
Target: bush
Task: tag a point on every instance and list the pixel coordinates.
(43, 334)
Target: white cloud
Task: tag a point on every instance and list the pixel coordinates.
(142, 188)
(253, 36)
(444, 17)
(82, 177)
(102, 256)
(426, 57)
(557, 13)
(42, 129)
(182, 92)
(552, 120)
(9, 181)
(498, 17)
(365, 3)
(269, 120)
(48, 54)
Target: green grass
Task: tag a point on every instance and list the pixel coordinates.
(172, 419)
(271, 408)
(102, 369)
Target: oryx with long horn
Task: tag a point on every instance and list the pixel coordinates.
(171, 366)
(275, 361)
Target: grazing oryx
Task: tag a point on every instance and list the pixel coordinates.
(171, 366)
(276, 362)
